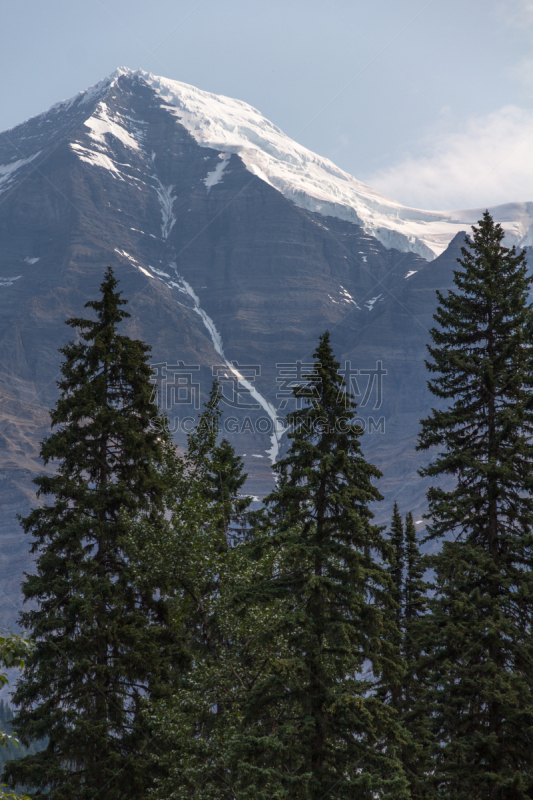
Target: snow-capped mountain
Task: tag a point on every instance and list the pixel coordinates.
(236, 248)
(307, 179)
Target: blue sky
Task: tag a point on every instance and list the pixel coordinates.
(430, 102)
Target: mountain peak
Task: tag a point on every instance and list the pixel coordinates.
(310, 181)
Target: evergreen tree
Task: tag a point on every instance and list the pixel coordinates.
(407, 568)
(415, 714)
(402, 688)
(390, 686)
(198, 729)
(97, 650)
(398, 562)
(217, 467)
(414, 603)
(479, 641)
(397, 566)
(198, 561)
(313, 725)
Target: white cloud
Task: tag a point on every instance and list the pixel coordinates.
(487, 162)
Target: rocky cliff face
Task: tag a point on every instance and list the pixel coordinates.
(225, 276)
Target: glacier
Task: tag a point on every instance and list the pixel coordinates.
(316, 183)
(309, 180)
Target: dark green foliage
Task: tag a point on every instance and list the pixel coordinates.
(12, 750)
(409, 592)
(218, 468)
(390, 688)
(393, 682)
(97, 648)
(483, 358)
(479, 643)
(199, 560)
(415, 598)
(402, 687)
(414, 713)
(313, 725)
(481, 688)
(397, 562)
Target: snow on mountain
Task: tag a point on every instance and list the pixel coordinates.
(314, 182)
(307, 179)
(8, 172)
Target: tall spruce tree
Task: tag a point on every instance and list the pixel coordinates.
(397, 540)
(479, 641)
(397, 568)
(414, 713)
(313, 725)
(96, 649)
(390, 688)
(415, 599)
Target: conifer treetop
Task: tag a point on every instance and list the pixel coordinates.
(325, 444)
(99, 649)
(482, 360)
